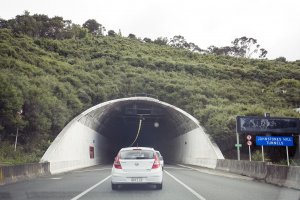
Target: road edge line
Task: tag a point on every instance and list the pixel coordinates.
(220, 173)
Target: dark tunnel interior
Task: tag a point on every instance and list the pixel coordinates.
(119, 124)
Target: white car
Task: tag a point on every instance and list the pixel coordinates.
(161, 159)
(136, 165)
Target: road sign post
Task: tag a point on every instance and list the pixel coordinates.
(249, 143)
(262, 153)
(299, 145)
(287, 155)
(238, 146)
(249, 153)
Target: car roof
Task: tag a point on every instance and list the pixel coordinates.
(137, 148)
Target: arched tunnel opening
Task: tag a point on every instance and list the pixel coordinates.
(110, 126)
(120, 123)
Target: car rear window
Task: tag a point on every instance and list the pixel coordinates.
(137, 154)
(158, 153)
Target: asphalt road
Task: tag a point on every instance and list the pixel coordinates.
(179, 183)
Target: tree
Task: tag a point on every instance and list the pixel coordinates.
(161, 41)
(247, 47)
(220, 50)
(111, 33)
(94, 27)
(132, 36)
(281, 59)
(11, 102)
(56, 27)
(43, 25)
(195, 48)
(74, 31)
(3, 23)
(263, 53)
(148, 40)
(25, 24)
(179, 41)
(78, 31)
(241, 47)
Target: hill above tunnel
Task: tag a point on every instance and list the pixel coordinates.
(51, 81)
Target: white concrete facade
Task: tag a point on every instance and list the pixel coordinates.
(71, 148)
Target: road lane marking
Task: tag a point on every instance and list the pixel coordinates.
(91, 188)
(56, 178)
(187, 187)
(176, 168)
(91, 170)
(218, 173)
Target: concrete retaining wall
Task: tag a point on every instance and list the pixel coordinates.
(275, 174)
(11, 174)
(256, 170)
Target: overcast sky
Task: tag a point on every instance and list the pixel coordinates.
(274, 23)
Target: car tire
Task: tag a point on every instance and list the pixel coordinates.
(159, 186)
(114, 186)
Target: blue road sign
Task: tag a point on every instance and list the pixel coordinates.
(274, 141)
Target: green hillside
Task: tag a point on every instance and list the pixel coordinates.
(52, 80)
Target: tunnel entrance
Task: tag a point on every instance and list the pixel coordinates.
(119, 124)
(112, 125)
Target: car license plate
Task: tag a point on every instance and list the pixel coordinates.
(136, 179)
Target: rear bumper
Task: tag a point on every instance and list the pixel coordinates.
(152, 177)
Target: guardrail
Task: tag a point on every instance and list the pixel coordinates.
(15, 173)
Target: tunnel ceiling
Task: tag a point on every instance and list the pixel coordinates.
(119, 121)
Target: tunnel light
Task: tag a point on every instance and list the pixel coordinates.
(156, 124)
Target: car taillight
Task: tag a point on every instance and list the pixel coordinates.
(117, 163)
(156, 163)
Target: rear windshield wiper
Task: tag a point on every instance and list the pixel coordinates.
(142, 158)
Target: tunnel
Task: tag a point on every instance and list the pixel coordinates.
(96, 135)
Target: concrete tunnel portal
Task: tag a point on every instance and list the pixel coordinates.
(96, 135)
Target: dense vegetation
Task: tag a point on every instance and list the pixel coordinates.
(48, 78)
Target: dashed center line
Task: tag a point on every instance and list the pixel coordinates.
(187, 187)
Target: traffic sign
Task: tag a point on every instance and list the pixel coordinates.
(238, 145)
(249, 137)
(249, 143)
(274, 141)
(259, 125)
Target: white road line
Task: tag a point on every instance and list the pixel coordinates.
(91, 188)
(56, 178)
(91, 170)
(176, 168)
(218, 173)
(187, 187)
